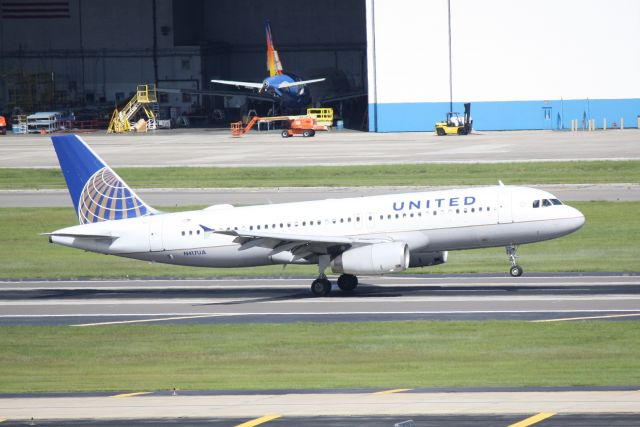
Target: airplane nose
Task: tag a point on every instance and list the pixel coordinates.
(574, 220)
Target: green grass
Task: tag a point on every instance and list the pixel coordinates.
(607, 242)
(319, 355)
(414, 175)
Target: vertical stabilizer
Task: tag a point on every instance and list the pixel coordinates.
(274, 66)
(97, 192)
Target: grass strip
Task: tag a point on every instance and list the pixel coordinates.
(331, 176)
(607, 242)
(319, 355)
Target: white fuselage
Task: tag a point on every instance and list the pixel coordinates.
(433, 221)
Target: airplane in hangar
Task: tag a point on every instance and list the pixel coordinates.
(371, 235)
(288, 89)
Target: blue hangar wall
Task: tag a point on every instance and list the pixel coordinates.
(522, 65)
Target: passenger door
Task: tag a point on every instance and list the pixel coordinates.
(505, 215)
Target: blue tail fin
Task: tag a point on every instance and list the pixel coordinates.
(98, 193)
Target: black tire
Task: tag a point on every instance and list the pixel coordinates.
(440, 131)
(462, 131)
(516, 271)
(285, 134)
(306, 133)
(321, 287)
(347, 282)
(3, 131)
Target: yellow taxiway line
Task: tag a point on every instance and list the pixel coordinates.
(534, 419)
(131, 394)
(259, 421)
(395, 390)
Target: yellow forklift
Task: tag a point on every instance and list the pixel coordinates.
(456, 125)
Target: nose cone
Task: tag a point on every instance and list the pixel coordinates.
(574, 220)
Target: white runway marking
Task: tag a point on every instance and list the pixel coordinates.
(587, 318)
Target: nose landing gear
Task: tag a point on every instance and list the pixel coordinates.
(515, 270)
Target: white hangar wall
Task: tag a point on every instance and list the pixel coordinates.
(578, 59)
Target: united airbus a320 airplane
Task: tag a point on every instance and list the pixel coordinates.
(366, 235)
(287, 88)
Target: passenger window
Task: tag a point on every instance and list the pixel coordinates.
(183, 233)
(536, 203)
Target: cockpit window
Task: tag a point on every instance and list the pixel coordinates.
(545, 203)
(536, 203)
(556, 202)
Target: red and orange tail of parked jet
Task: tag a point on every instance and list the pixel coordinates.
(274, 66)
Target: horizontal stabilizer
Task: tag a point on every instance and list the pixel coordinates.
(82, 235)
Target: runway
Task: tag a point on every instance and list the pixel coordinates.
(216, 147)
(275, 300)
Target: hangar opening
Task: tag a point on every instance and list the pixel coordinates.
(78, 55)
(314, 40)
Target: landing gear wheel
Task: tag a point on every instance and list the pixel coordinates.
(512, 253)
(321, 287)
(347, 282)
(516, 271)
(285, 134)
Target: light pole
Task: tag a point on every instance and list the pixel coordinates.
(450, 68)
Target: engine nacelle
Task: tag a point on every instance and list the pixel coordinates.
(379, 258)
(424, 259)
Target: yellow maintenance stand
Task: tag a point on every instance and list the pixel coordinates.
(145, 95)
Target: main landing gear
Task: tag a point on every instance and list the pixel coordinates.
(515, 270)
(322, 286)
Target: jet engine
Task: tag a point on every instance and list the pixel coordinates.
(379, 258)
(424, 259)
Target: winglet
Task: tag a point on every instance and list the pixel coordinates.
(207, 229)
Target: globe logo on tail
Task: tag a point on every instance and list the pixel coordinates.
(105, 197)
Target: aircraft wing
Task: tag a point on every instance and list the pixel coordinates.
(249, 85)
(300, 245)
(285, 85)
